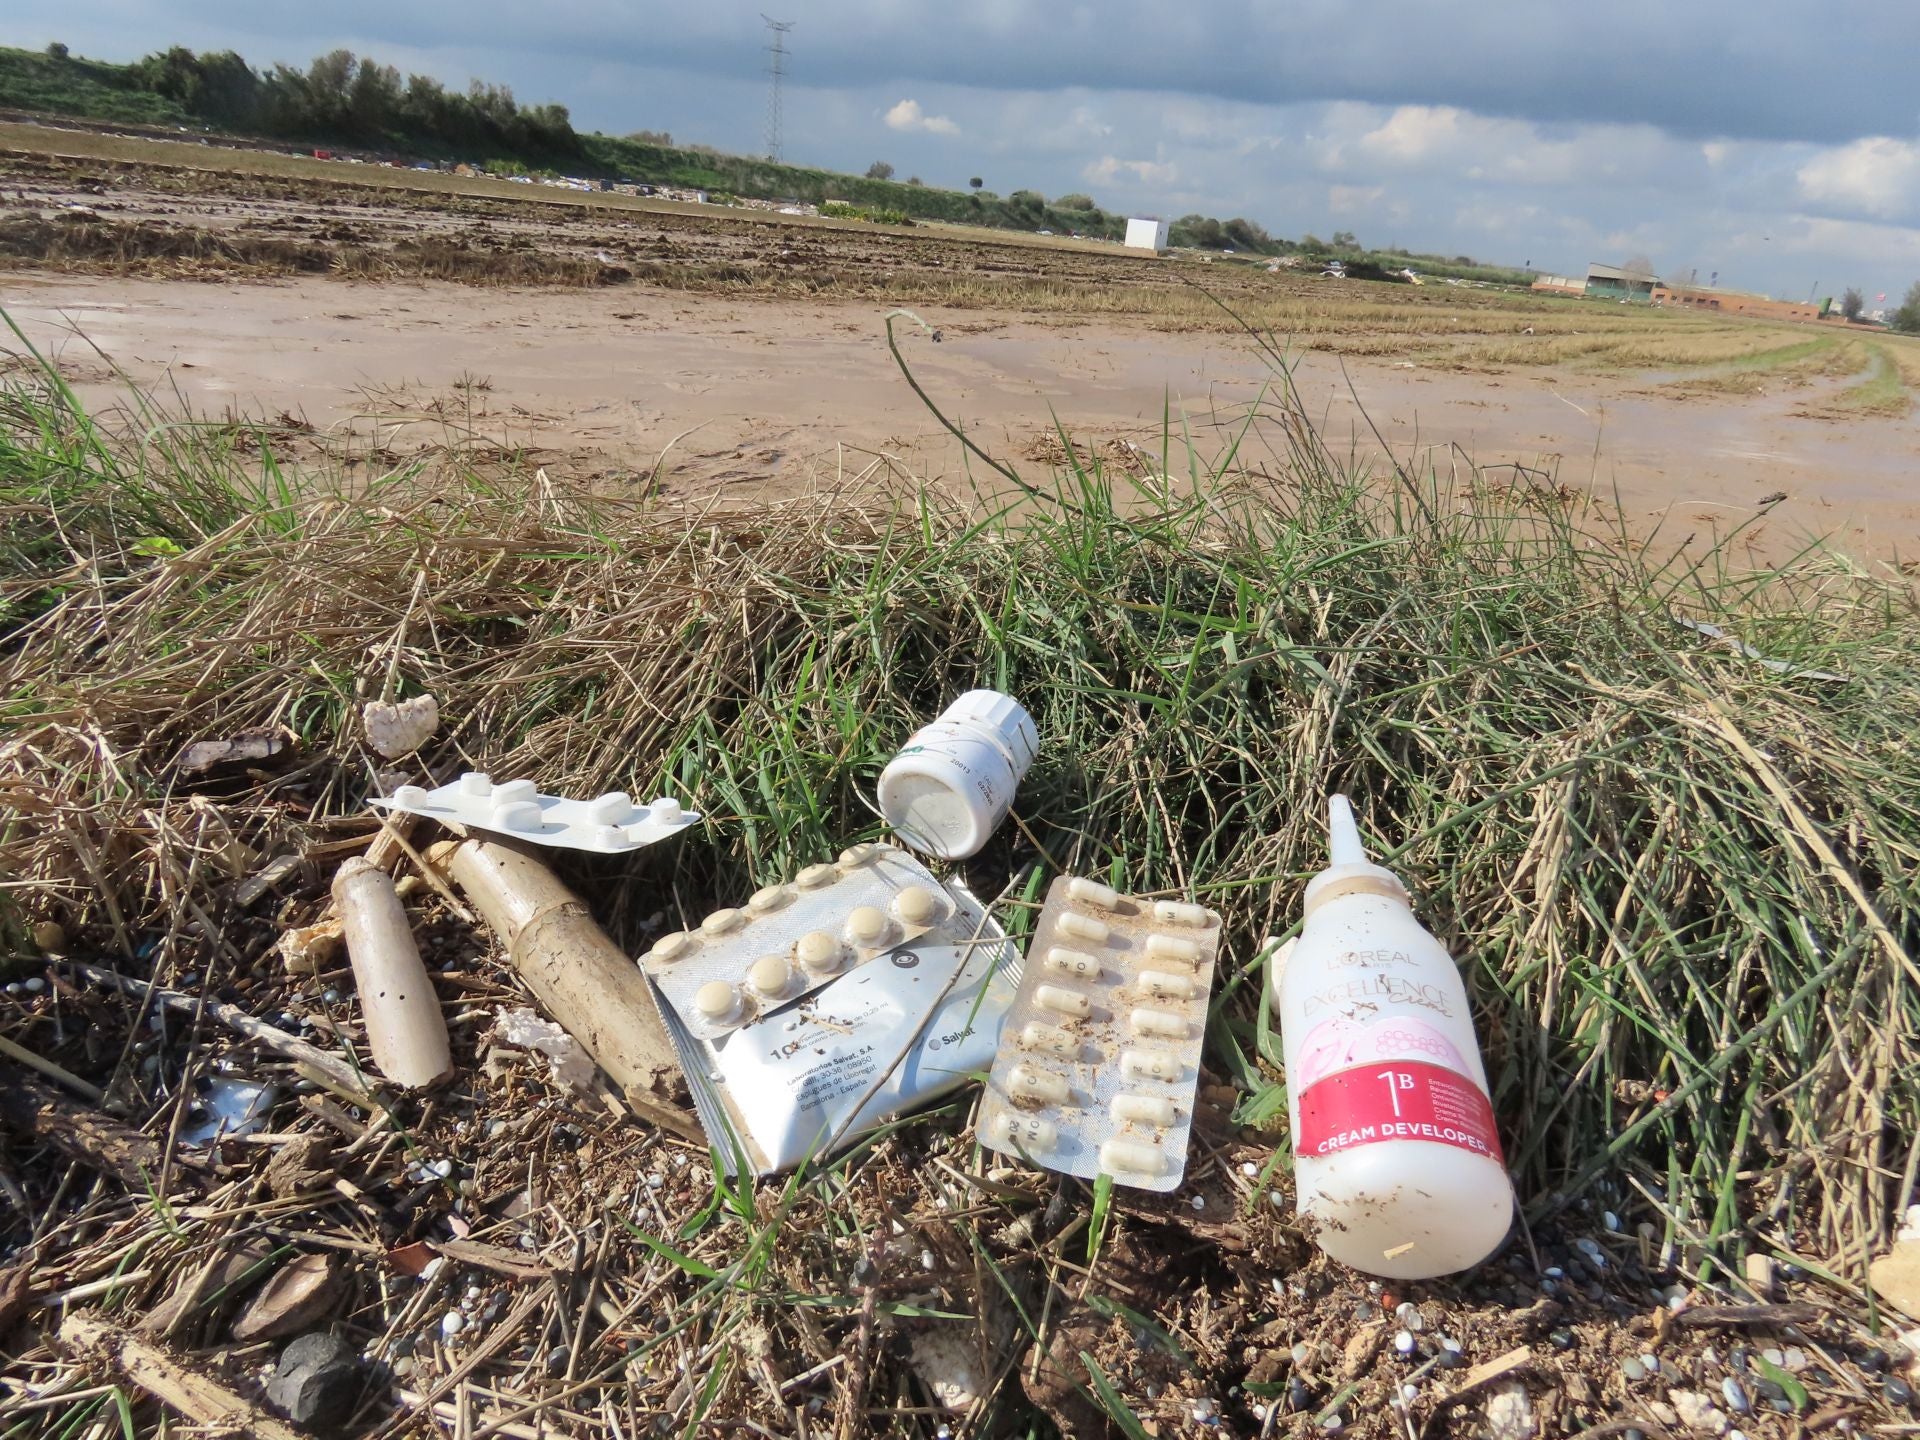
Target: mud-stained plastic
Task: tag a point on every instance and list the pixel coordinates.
(1100, 1059)
(609, 824)
(952, 783)
(790, 939)
(406, 1030)
(1397, 1162)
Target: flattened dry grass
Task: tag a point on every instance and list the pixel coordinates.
(1682, 885)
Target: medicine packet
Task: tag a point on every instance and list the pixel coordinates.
(786, 1087)
(1099, 1059)
(608, 824)
(790, 939)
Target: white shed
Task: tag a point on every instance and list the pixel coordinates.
(1146, 233)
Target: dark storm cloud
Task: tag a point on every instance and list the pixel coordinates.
(1701, 68)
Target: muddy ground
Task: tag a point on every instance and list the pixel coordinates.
(715, 353)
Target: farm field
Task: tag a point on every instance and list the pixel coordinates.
(384, 310)
(1604, 616)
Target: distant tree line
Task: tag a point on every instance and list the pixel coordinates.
(341, 96)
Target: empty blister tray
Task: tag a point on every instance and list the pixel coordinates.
(609, 824)
(790, 939)
(1099, 1059)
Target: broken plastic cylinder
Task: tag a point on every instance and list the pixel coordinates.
(405, 1030)
(952, 783)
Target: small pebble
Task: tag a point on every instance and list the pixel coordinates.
(34, 984)
(1610, 1220)
(1249, 1169)
(441, 1169)
(1299, 1398)
(452, 1323)
(1795, 1359)
(1872, 1361)
(1736, 1395)
(1199, 1202)
(1562, 1339)
(1409, 1393)
(1205, 1411)
(1302, 1353)
(1554, 1272)
(1366, 1311)
(1652, 1362)
(1634, 1371)
(927, 1262)
(1773, 1355)
(1409, 1317)
(1403, 1342)
(1333, 1423)
(1897, 1391)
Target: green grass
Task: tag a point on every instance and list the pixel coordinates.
(1682, 886)
(1883, 392)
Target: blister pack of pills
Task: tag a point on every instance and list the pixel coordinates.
(1099, 1059)
(608, 824)
(790, 939)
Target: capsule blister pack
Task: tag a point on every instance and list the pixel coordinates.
(790, 939)
(1099, 1059)
(608, 824)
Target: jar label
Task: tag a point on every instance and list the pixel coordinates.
(1397, 1100)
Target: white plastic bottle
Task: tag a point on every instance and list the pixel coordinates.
(952, 783)
(1396, 1160)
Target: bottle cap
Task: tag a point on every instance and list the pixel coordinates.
(1348, 871)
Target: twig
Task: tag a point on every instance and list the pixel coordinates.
(172, 1381)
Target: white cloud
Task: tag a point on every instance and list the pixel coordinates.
(1109, 168)
(1353, 199)
(1878, 174)
(908, 117)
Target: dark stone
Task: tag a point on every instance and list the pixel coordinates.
(1873, 1361)
(317, 1382)
(1897, 1391)
(1562, 1339)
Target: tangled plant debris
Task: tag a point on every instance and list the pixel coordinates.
(1682, 887)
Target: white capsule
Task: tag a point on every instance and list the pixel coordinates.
(1092, 892)
(1026, 1132)
(1168, 985)
(1150, 1065)
(718, 1001)
(476, 783)
(612, 808)
(820, 953)
(916, 905)
(516, 815)
(1173, 947)
(723, 922)
(676, 946)
(410, 795)
(1035, 1035)
(1075, 963)
(1143, 1109)
(1130, 1157)
(868, 925)
(770, 976)
(816, 877)
(1178, 912)
(1062, 1001)
(514, 791)
(1163, 1024)
(1026, 1082)
(1083, 927)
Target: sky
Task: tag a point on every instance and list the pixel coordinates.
(1773, 146)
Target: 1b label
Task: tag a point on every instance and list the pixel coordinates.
(1402, 1100)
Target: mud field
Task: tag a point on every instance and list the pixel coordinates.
(746, 352)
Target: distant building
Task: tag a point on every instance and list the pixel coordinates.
(1147, 233)
(1610, 282)
(1733, 302)
(1560, 285)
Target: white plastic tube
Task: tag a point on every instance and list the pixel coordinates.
(1397, 1163)
(405, 1030)
(952, 783)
